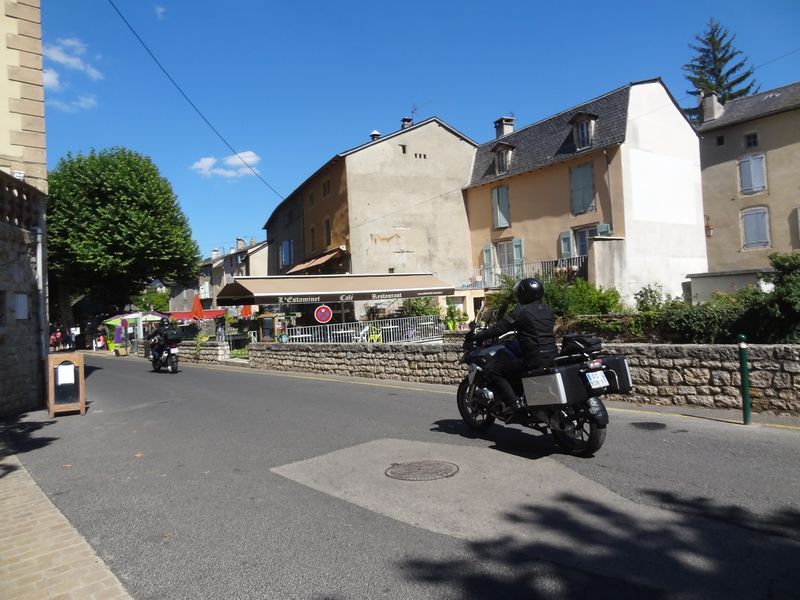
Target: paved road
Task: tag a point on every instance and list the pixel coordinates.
(231, 483)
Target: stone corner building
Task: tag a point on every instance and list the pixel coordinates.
(23, 185)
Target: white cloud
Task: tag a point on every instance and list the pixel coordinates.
(206, 166)
(51, 80)
(160, 10)
(67, 52)
(84, 102)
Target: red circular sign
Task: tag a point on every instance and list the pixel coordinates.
(323, 313)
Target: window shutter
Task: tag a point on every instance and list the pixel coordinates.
(519, 257)
(757, 172)
(581, 189)
(744, 176)
(565, 243)
(500, 207)
(755, 228)
(488, 266)
(603, 229)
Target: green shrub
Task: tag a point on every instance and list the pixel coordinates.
(420, 307)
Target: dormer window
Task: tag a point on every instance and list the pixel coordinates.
(502, 157)
(583, 126)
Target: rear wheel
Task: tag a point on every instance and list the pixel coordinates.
(173, 363)
(156, 365)
(474, 415)
(581, 436)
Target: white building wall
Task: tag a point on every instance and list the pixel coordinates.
(407, 210)
(664, 225)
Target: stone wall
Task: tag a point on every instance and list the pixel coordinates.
(211, 352)
(700, 375)
(21, 368)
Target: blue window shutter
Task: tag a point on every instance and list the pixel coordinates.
(581, 189)
(500, 207)
(565, 243)
(754, 223)
(757, 172)
(519, 257)
(603, 229)
(744, 176)
(488, 266)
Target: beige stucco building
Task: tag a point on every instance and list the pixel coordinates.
(393, 204)
(610, 188)
(750, 153)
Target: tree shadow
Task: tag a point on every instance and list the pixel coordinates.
(519, 442)
(89, 369)
(17, 437)
(576, 547)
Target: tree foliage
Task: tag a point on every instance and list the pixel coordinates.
(152, 300)
(717, 68)
(114, 225)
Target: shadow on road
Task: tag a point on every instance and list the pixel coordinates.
(89, 369)
(586, 549)
(519, 442)
(17, 436)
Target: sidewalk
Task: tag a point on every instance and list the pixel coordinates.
(41, 554)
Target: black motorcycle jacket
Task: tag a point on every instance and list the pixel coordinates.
(534, 323)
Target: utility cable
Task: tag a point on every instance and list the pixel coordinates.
(192, 104)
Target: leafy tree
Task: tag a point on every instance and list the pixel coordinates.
(114, 225)
(152, 300)
(717, 68)
(418, 307)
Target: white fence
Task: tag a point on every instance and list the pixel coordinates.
(406, 330)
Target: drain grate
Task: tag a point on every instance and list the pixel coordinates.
(423, 470)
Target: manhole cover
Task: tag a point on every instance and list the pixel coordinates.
(423, 470)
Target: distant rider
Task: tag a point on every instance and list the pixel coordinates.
(159, 336)
(533, 321)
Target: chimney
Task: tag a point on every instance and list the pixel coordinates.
(214, 254)
(406, 122)
(503, 126)
(240, 244)
(375, 134)
(712, 109)
(232, 250)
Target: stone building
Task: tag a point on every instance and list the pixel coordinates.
(23, 184)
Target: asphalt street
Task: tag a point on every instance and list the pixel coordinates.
(234, 483)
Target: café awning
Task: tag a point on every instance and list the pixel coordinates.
(316, 289)
(317, 261)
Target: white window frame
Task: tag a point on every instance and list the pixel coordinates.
(760, 244)
(744, 140)
(583, 133)
(748, 158)
(287, 247)
(502, 161)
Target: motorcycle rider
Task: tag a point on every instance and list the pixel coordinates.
(533, 321)
(159, 336)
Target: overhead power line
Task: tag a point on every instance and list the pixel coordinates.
(189, 100)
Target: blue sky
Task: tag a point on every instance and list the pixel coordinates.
(290, 84)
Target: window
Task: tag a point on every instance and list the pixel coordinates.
(21, 306)
(582, 240)
(583, 134)
(502, 160)
(565, 244)
(311, 199)
(326, 188)
(327, 232)
(581, 189)
(750, 140)
(755, 227)
(312, 238)
(286, 256)
(403, 148)
(720, 140)
(510, 257)
(752, 174)
(500, 216)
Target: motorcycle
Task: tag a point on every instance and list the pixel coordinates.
(563, 400)
(164, 353)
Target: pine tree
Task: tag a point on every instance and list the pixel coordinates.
(717, 69)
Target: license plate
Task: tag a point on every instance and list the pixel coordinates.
(175, 351)
(597, 379)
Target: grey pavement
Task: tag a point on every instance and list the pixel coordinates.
(222, 482)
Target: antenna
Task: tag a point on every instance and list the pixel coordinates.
(415, 109)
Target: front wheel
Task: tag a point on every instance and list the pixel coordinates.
(475, 416)
(173, 364)
(581, 436)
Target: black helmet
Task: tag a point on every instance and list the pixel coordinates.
(165, 321)
(529, 290)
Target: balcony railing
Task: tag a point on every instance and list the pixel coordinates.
(488, 278)
(21, 204)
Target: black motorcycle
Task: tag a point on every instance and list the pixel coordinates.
(164, 354)
(563, 399)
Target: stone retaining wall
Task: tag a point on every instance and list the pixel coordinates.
(210, 352)
(700, 375)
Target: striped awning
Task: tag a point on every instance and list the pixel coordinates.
(315, 289)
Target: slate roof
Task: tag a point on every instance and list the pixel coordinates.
(550, 141)
(756, 106)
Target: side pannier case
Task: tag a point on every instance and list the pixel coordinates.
(618, 374)
(563, 385)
